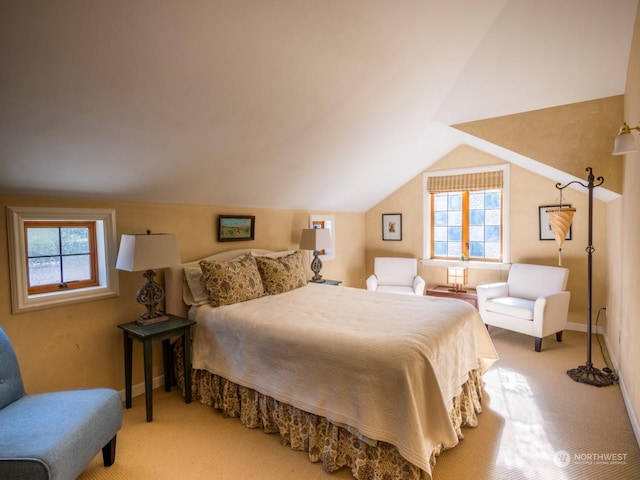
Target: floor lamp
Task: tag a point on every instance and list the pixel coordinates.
(587, 373)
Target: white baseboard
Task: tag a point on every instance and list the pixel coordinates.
(138, 389)
(582, 327)
(633, 418)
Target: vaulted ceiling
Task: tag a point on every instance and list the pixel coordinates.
(296, 104)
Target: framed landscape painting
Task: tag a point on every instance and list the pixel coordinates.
(233, 228)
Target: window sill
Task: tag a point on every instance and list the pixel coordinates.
(49, 300)
(469, 264)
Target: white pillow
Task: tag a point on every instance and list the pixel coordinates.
(193, 277)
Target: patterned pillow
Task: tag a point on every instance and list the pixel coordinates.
(232, 281)
(282, 274)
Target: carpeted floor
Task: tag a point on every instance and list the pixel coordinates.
(537, 423)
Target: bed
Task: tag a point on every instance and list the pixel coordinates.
(375, 382)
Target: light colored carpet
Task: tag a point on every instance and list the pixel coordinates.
(535, 412)
(537, 423)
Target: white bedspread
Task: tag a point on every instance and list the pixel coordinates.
(388, 365)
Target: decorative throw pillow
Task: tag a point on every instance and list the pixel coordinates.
(233, 281)
(282, 274)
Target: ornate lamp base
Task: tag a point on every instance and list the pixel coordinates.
(149, 295)
(457, 288)
(316, 266)
(591, 375)
(149, 321)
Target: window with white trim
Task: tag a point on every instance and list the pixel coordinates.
(465, 215)
(60, 255)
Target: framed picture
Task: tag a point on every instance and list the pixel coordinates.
(543, 221)
(391, 226)
(233, 228)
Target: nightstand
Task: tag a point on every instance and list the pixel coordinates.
(331, 282)
(147, 334)
(469, 295)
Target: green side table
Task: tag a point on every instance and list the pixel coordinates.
(147, 334)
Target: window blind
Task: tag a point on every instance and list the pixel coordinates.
(465, 182)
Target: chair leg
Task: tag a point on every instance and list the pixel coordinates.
(109, 452)
(538, 344)
(559, 335)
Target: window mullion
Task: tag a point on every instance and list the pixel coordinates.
(432, 223)
(465, 224)
(62, 282)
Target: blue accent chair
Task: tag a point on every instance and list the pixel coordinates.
(52, 436)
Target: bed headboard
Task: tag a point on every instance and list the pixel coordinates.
(174, 278)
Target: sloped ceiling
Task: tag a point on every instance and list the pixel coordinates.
(314, 105)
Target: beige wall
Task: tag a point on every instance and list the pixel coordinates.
(80, 345)
(623, 328)
(569, 137)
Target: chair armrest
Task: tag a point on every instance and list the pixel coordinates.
(418, 285)
(491, 290)
(550, 313)
(372, 283)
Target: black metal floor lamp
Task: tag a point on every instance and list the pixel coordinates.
(587, 373)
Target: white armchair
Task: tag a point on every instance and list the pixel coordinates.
(533, 301)
(396, 275)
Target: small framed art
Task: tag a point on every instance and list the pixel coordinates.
(543, 221)
(391, 226)
(233, 228)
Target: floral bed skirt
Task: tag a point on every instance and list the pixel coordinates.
(333, 445)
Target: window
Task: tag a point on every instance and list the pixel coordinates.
(466, 215)
(60, 255)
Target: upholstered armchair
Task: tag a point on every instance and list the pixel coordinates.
(396, 275)
(533, 301)
(52, 436)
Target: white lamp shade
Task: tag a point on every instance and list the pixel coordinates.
(147, 252)
(315, 239)
(457, 275)
(624, 143)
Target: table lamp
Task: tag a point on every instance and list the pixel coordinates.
(316, 239)
(457, 278)
(146, 252)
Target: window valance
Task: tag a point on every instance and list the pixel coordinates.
(465, 182)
